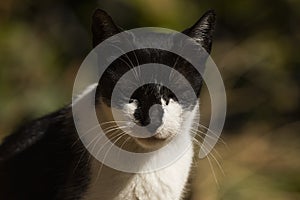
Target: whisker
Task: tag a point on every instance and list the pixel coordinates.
(110, 127)
(128, 138)
(113, 121)
(212, 170)
(85, 151)
(214, 158)
(218, 154)
(118, 134)
(130, 66)
(106, 153)
(112, 135)
(203, 126)
(205, 133)
(96, 138)
(197, 131)
(212, 132)
(89, 131)
(218, 163)
(171, 73)
(136, 58)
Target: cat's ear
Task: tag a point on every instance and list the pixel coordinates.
(202, 30)
(103, 27)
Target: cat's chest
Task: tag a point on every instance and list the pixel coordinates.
(154, 186)
(167, 183)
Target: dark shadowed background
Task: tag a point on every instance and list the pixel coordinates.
(257, 50)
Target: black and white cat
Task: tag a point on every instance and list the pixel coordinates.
(45, 159)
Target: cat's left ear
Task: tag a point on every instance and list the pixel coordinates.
(202, 30)
(103, 27)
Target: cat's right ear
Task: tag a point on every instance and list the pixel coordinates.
(103, 27)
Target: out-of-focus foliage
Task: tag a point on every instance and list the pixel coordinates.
(256, 48)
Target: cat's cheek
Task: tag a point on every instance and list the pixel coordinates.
(129, 110)
(172, 118)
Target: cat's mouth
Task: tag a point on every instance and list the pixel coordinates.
(154, 142)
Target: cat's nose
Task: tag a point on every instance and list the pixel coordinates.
(155, 114)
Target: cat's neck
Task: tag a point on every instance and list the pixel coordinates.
(167, 183)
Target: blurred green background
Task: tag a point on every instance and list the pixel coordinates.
(257, 50)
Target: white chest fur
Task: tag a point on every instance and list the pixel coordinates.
(166, 184)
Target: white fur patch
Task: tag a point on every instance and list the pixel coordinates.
(172, 118)
(165, 184)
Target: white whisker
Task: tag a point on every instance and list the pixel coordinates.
(106, 153)
(212, 132)
(218, 154)
(130, 66)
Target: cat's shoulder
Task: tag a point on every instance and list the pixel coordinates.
(29, 134)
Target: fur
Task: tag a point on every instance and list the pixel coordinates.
(45, 159)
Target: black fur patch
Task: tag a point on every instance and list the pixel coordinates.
(41, 161)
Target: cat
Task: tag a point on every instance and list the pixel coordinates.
(45, 159)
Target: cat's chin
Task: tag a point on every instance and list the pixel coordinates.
(154, 142)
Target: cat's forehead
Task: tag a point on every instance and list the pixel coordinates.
(154, 39)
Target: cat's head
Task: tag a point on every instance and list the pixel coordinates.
(168, 117)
